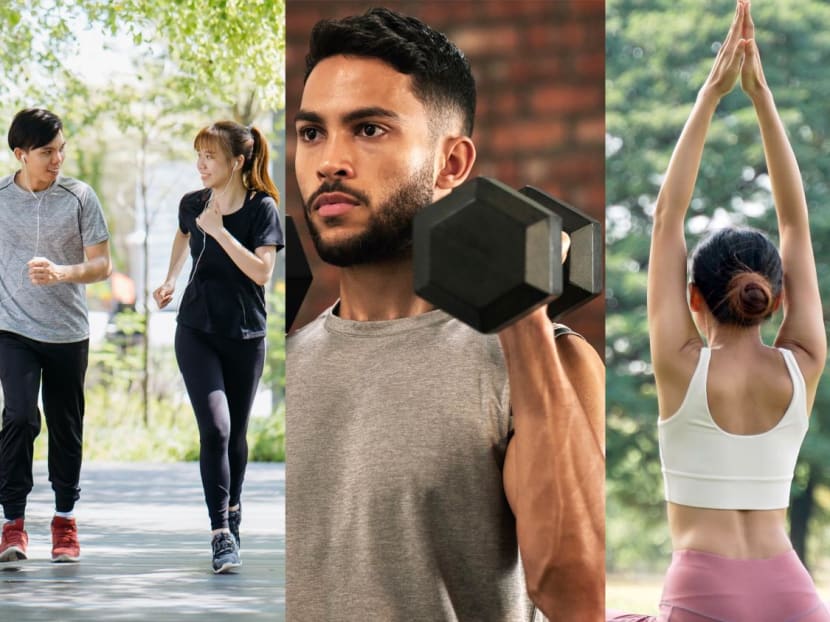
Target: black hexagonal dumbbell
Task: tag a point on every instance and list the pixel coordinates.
(489, 255)
(297, 273)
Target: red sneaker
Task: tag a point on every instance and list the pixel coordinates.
(65, 547)
(14, 542)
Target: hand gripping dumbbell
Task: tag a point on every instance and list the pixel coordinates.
(488, 255)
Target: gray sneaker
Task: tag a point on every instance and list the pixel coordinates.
(234, 519)
(225, 553)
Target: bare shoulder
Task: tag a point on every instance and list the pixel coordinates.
(673, 374)
(810, 362)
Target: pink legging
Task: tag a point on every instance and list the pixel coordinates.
(703, 587)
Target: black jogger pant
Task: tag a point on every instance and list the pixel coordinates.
(221, 375)
(62, 367)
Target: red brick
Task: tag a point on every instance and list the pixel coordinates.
(485, 41)
(517, 9)
(591, 65)
(546, 70)
(578, 168)
(567, 36)
(440, 12)
(566, 98)
(591, 130)
(588, 8)
(527, 135)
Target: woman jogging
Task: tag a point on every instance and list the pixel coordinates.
(233, 233)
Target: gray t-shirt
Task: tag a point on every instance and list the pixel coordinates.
(396, 437)
(56, 223)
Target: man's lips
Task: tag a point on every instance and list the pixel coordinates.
(333, 204)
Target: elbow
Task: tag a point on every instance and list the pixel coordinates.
(262, 278)
(105, 268)
(575, 587)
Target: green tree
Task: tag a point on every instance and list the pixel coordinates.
(231, 49)
(658, 54)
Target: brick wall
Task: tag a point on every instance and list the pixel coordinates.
(539, 68)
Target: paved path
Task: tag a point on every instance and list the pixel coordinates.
(145, 551)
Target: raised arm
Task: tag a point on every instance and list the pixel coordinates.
(802, 329)
(257, 266)
(554, 470)
(671, 327)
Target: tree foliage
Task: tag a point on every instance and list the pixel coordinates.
(658, 52)
(229, 49)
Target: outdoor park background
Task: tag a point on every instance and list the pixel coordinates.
(658, 52)
(133, 82)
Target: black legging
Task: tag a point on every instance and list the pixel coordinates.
(221, 376)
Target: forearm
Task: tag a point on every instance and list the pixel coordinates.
(90, 271)
(178, 257)
(254, 267)
(785, 177)
(556, 469)
(679, 183)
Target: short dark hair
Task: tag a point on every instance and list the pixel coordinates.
(440, 72)
(32, 128)
(739, 273)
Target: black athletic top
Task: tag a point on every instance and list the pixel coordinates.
(220, 299)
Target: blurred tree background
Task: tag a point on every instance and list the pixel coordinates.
(658, 53)
(133, 81)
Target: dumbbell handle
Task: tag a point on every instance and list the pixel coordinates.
(583, 265)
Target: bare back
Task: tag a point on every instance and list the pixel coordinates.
(748, 390)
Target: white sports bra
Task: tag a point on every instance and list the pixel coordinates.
(707, 467)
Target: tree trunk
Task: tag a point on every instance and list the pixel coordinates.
(800, 512)
(145, 372)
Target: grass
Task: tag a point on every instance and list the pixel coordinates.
(633, 593)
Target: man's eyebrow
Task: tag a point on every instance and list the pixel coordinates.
(307, 115)
(351, 117)
(371, 111)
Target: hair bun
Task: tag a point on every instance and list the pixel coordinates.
(749, 296)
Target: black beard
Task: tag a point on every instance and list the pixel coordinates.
(388, 236)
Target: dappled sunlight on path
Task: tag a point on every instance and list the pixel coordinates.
(145, 550)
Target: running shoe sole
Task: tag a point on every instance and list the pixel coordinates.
(227, 567)
(12, 554)
(65, 559)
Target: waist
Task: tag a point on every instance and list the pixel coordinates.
(735, 534)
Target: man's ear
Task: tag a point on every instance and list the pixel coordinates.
(458, 154)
